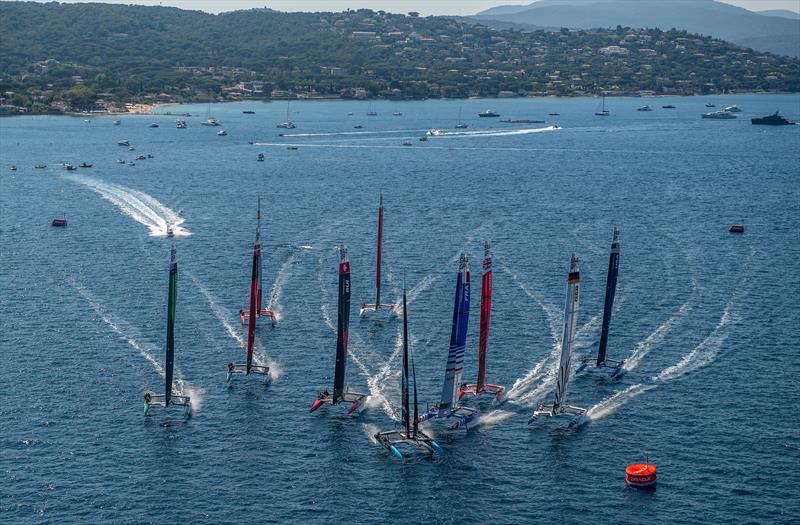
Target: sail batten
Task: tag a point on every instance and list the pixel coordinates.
(611, 288)
(169, 363)
(343, 324)
(568, 338)
(458, 336)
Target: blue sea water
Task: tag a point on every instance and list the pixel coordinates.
(707, 320)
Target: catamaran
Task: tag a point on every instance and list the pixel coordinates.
(481, 387)
(339, 395)
(448, 407)
(288, 123)
(570, 320)
(169, 397)
(611, 288)
(410, 435)
(378, 310)
(256, 280)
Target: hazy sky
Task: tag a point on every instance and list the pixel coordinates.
(426, 7)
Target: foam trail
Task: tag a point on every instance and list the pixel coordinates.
(182, 387)
(642, 348)
(370, 430)
(613, 402)
(275, 293)
(495, 417)
(494, 133)
(343, 133)
(137, 205)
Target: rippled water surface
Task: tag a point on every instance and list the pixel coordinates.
(706, 320)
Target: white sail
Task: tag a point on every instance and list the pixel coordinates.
(570, 322)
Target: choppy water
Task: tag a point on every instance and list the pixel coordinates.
(707, 320)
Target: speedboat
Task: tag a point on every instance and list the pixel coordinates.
(732, 109)
(123, 143)
(85, 165)
(644, 108)
(407, 143)
(488, 113)
(462, 125)
(554, 114)
(70, 167)
(153, 125)
(249, 112)
(668, 106)
(287, 125)
(40, 166)
(140, 157)
(434, 132)
(358, 126)
(131, 163)
(222, 133)
(291, 147)
(13, 168)
(423, 138)
(710, 105)
(719, 115)
(131, 148)
(772, 120)
(260, 157)
(349, 113)
(211, 121)
(120, 161)
(398, 113)
(180, 124)
(117, 122)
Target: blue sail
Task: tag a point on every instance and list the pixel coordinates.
(458, 337)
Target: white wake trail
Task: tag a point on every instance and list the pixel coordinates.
(182, 386)
(137, 205)
(494, 133)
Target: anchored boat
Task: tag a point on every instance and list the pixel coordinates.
(570, 319)
(481, 387)
(378, 310)
(462, 417)
(340, 395)
(169, 397)
(256, 289)
(410, 436)
(611, 289)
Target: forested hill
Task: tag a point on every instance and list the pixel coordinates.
(73, 54)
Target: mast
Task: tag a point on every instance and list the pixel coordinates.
(458, 336)
(415, 421)
(378, 258)
(404, 386)
(343, 324)
(611, 288)
(486, 312)
(169, 362)
(568, 338)
(255, 291)
(260, 297)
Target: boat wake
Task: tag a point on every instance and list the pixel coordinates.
(182, 386)
(260, 357)
(137, 205)
(493, 133)
(345, 133)
(275, 293)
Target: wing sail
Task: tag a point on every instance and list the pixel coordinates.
(458, 336)
(568, 338)
(611, 289)
(486, 313)
(343, 324)
(169, 363)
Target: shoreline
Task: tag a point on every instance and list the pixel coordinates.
(148, 109)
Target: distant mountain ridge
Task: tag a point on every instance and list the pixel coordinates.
(782, 13)
(763, 32)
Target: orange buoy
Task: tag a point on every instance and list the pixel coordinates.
(640, 475)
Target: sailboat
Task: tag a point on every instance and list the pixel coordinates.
(410, 434)
(460, 124)
(254, 312)
(481, 387)
(448, 407)
(288, 124)
(169, 397)
(372, 112)
(611, 288)
(378, 310)
(603, 112)
(339, 395)
(570, 320)
(256, 284)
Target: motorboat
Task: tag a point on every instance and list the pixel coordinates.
(407, 143)
(153, 125)
(123, 143)
(211, 121)
(60, 222)
(423, 138)
(249, 112)
(710, 105)
(180, 124)
(120, 161)
(40, 166)
(70, 167)
(117, 122)
(287, 125)
(644, 108)
(719, 115)
(772, 120)
(488, 113)
(13, 168)
(222, 133)
(85, 165)
(668, 106)
(170, 233)
(732, 109)
(434, 132)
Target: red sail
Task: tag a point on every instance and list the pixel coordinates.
(486, 312)
(254, 289)
(378, 257)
